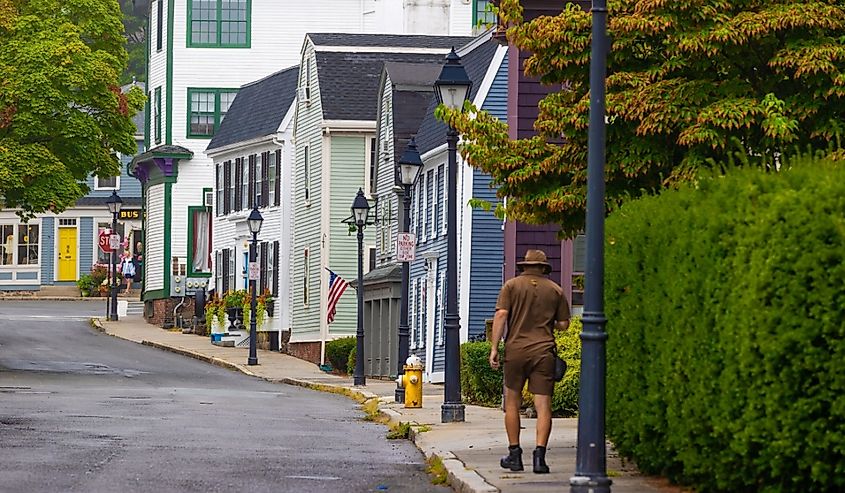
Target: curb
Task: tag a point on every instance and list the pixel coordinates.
(460, 479)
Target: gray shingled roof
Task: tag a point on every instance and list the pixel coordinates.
(413, 88)
(388, 40)
(258, 109)
(349, 82)
(432, 132)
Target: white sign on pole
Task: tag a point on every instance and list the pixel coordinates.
(253, 271)
(114, 242)
(406, 245)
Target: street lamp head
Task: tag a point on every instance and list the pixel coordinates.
(360, 208)
(410, 164)
(114, 202)
(453, 85)
(254, 220)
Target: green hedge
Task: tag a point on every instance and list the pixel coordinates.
(726, 315)
(337, 352)
(482, 385)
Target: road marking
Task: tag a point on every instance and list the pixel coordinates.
(316, 478)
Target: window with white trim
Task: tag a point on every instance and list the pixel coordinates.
(305, 278)
(218, 207)
(246, 200)
(107, 183)
(218, 273)
(439, 316)
(307, 173)
(412, 315)
(423, 310)
(259, 180)
(429, 208)
(421, 208)
(272, 176)
(440, 209)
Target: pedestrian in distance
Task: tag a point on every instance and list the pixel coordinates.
(127, 268)
(531, 306)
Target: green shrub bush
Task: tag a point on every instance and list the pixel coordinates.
(337, 352)
(483, 386)
(726, 316)
(350, 361)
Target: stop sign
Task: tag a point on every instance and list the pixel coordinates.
(103, 241)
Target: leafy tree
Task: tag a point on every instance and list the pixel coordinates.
(62, 113)
(689, 84)
(135, 25)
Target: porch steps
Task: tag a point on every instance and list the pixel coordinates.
(135, 308)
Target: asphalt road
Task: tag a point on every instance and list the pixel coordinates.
(83, 411)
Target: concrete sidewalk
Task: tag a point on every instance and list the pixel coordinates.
(470, 451)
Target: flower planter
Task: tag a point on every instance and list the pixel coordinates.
(236, 318)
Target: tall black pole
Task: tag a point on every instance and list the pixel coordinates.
(404, 330)
(358, 377)
(113, 315)
(253, 356)
(591, 461)
(452, 409)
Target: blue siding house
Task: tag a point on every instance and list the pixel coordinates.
(480, 233)
(56, 249)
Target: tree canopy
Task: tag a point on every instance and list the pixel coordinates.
(62, 113)
(690, 84)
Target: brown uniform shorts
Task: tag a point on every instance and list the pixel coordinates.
(537, 368)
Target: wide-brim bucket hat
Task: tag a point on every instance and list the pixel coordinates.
(535, 258)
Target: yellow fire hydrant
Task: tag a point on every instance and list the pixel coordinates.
(411, 381)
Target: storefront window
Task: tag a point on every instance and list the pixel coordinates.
(7, 247)
(27, 244)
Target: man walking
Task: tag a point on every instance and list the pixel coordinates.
(531, 306)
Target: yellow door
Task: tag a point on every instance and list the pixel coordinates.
(67, 254)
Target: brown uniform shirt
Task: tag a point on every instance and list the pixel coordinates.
(534, 303)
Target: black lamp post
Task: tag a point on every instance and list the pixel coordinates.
(591, 461)
(360, 214)
(452, 89)
(114, 202)
(409, 168)
(254, 221)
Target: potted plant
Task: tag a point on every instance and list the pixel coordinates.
(233, 300)
(85, 284)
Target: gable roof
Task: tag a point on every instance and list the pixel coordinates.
(349, 67)
(387, 40)
(412, 85)
(432, 132)
(258, 109)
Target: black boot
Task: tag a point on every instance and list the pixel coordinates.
(540, 466)
(513, 460)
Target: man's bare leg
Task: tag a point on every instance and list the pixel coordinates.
(543, 405)
(513, 401)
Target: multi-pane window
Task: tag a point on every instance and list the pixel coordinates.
(412, 315)
(419, 214)
(27, 244)
(438, 313)
(271, 178)
(232, 262)
(439, 210)
(259, 185)
(207, 108)
(7, 244)
(219, 23)
(245, 184)
(19, 244)
(218, 273)
(158, 114)
(482, 14)
(429, 204)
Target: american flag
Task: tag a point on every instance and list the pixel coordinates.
(337, 285)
